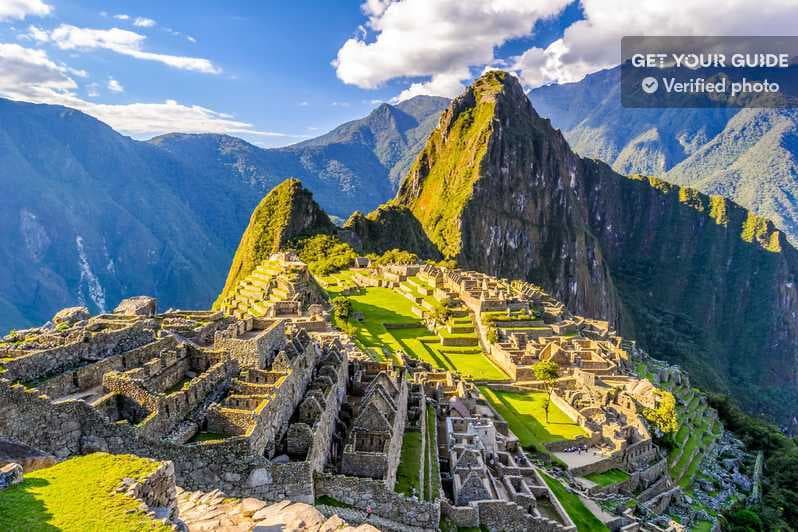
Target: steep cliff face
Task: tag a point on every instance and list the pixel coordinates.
(696, 279)
(496, 188)
(287, 212)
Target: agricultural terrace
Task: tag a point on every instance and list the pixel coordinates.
(524, 412)
(384, 323)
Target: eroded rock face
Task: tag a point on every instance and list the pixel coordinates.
(71, 315)
(137, 306)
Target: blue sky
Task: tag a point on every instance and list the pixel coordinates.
(277, 72)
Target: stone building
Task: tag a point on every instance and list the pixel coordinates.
(379, 405)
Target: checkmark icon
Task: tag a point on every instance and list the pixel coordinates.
(650, 85)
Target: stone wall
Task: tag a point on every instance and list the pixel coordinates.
(364, 493)
(510, 517)
(157, 491)
(74, 427)
(45, 363)
(90, 376)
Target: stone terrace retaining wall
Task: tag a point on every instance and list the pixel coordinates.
(363, 493)
(158, 491)
(74, 427)
(41, 364)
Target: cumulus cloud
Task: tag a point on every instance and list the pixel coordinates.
(124, 42)
(144, 22)
(115, 86)
(30, 75)
(19, 9)
(594, 43)
(435, 39)
(443, 42)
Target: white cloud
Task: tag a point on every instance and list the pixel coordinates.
(122, 16)
(594, 43)
(115, 86)
(340, 104)
(30, 75)
(144, 22)
(190, 39)
(439, 39)
(125, 42)
(303, 103)
(19, 9)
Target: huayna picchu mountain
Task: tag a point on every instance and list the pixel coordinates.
(696, 279)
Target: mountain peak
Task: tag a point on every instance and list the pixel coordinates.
(286, 213)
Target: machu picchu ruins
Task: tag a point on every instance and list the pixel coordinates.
(410, 413)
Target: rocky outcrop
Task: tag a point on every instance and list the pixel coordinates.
(212, 511)
(71, 315)
(137, 306)
(696, 279)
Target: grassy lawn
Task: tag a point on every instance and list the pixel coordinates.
(380, 306)
(78, 495)
(407, 473)
(583, 518)
(613, 476)
(527, 419)
(470, 362)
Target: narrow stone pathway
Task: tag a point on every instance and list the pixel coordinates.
(212, 511)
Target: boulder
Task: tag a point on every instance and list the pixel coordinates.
(10, 474)
(137, 306)
(71, 315)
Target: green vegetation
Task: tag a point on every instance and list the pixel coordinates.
(432, 483)
(450, 164)
(583, 518)
(325, 254)
(274, 223)
(607, 478)
(79, 495)
(664, 417)
(407, 479)
(394, 256)
(547, 372)
(207, 436)
(525, 414)
(326, 500)
(778, 509)
(387, 325)
(342, 308)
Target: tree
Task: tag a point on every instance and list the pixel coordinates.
(664, 417)
(547, 371)
(342, 308)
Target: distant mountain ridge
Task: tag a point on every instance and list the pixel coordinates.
(747, 155)
(90, 216)
(356, 166)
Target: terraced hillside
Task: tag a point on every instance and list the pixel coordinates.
(390, 320)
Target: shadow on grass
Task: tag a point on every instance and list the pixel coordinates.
(21, 510)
